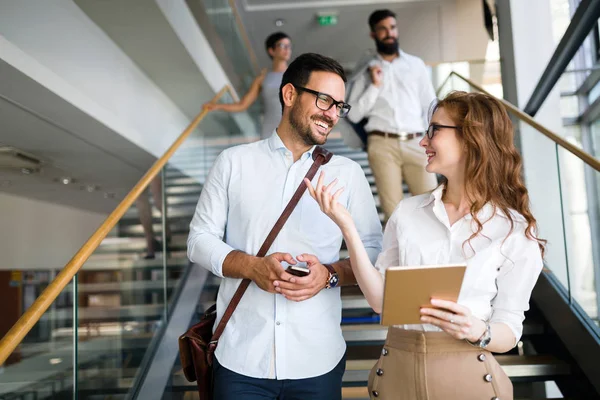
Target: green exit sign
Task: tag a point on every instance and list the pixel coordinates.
(327, 19)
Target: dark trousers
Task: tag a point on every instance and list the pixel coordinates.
(229, 385)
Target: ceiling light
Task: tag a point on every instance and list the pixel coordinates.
(65, 180)
(90, 188)
(109, 195)
(55, 361)
(279, 22)
(26, 171)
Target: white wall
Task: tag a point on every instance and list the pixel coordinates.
(40, 235)
(55, 43)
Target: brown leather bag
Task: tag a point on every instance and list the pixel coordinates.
(198, 344)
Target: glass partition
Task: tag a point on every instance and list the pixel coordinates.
(42, 365)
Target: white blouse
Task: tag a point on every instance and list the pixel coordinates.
(502, 268)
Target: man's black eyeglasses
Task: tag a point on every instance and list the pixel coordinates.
(325, 102)
(433, 128)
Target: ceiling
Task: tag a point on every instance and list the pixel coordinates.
(141, 30)
(73, 144)
(70, 144)
(435, 30)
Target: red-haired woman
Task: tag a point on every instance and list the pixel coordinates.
(480, 216)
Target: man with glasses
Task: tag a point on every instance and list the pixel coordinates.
(394, 93)
(284, 339)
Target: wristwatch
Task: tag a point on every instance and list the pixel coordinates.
(333, 278)
(485, 339)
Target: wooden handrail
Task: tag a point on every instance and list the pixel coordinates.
(582, 155)
(30, 317)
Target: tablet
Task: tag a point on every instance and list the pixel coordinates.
(407, 289)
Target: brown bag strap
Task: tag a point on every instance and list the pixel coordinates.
(320, 156)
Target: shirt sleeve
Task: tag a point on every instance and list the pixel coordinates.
(390, 256)
(361, 206)
(205, 245)
(516, 280)
(362, 97)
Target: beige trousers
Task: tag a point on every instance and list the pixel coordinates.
(434, 366)
(391, 160)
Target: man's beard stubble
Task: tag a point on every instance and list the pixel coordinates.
(387, 48)
(303, 131)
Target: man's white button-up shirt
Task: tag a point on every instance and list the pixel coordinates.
(246, 190)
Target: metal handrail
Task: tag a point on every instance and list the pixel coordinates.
(30, 317)
(582, 155)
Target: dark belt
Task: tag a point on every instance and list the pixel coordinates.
(401, 136)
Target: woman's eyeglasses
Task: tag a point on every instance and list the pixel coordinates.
(325, 102)
(433, 128)
(284, 46)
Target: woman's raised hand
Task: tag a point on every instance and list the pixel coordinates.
(328, 202)
(210, 106)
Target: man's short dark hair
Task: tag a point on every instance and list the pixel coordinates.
(380, 15)
(298, 72)
(273, 39)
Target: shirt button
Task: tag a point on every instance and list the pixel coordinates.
(277, 323)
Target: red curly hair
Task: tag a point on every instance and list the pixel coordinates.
(493, 169)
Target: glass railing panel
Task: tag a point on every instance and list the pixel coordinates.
(224, 22)
(121, 307)
(42, 365)
(186, 173)
(541, 171)
(232, 42)
(581, 207)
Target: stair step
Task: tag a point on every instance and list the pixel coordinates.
(125, 244)
(536, 368)
(112, 262)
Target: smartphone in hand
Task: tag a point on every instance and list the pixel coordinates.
(300, 269)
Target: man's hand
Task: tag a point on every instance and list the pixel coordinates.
(303, 288)
(268, 269)
(376, 75)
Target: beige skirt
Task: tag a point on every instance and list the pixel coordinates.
(418, 365)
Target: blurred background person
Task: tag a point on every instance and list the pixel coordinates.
(279, 48)
(145, 213)
(394, 92)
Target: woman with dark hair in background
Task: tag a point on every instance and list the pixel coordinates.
(479, 216)
(279, 48)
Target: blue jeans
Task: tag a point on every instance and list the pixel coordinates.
(229, 385)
